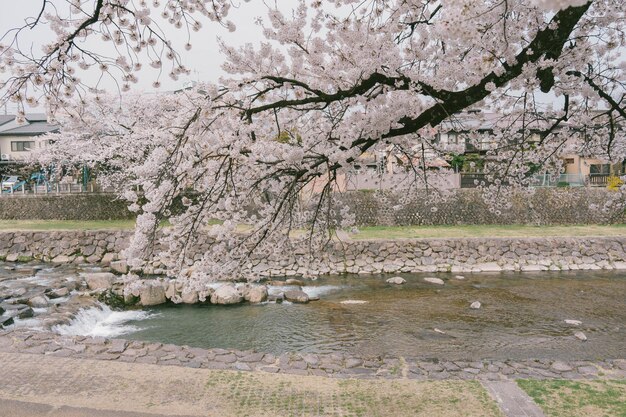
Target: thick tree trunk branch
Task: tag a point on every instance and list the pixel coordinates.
(549, 41)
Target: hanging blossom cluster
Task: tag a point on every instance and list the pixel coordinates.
(253, 163)
(50, 74)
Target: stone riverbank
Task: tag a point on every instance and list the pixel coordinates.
(334, 365)
(54, 295)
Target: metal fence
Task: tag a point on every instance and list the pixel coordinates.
(472, 180)
(562, 180)
(53, 189)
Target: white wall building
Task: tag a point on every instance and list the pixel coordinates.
(17, 139)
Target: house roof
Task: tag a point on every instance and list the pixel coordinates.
(36, 124)
(36, 117)
(5, 118)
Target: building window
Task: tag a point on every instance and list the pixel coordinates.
(595, 169)
(22, 146)
(569, 161)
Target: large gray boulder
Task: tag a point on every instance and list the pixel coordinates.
(226, 294)
(152, 295)
(296, 296)
(62, 259)
(38, 301)
(171, 292)
(119, 266)
(256, 294)
(189, 296)
(99, 280)
(59, 292)
(12, 257)
(106, 259)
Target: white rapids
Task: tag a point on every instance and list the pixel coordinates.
(101, 321)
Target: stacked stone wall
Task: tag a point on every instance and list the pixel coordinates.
(370, 208)
(87, 206)
(467, 206)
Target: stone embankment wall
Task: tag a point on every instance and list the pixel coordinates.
(416, 255)
(467, 206)
(464, 206)
(87, 206)
(63, 246)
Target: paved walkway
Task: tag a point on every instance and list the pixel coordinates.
(52, 375)
(512, 400)
(36, 385)
(15, 408)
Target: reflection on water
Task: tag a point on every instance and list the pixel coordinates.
(522, 317)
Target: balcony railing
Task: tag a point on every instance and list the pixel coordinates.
(473, 180)
(599, 180)
(29, 189)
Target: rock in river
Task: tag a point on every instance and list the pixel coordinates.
(573, 322)
(475, 305)
(189, 296)
(152, 295)
(5, 321)
(226, 294)
(59, 292)
(38, 301)
(353, 302)
(296, 296)
(433, 280)
(119, 266)
(256, 294)
(98, 280)
(580, 336)
(396, 280)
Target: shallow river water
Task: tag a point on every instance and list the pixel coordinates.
(522, 316)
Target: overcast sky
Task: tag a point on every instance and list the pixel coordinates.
(203, 59)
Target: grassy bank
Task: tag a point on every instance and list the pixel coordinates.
(375, 232)
(15, 225)
(412, 232)
(561, 398)
(256, 394)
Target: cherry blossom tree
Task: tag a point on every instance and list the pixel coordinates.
(331, 81)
